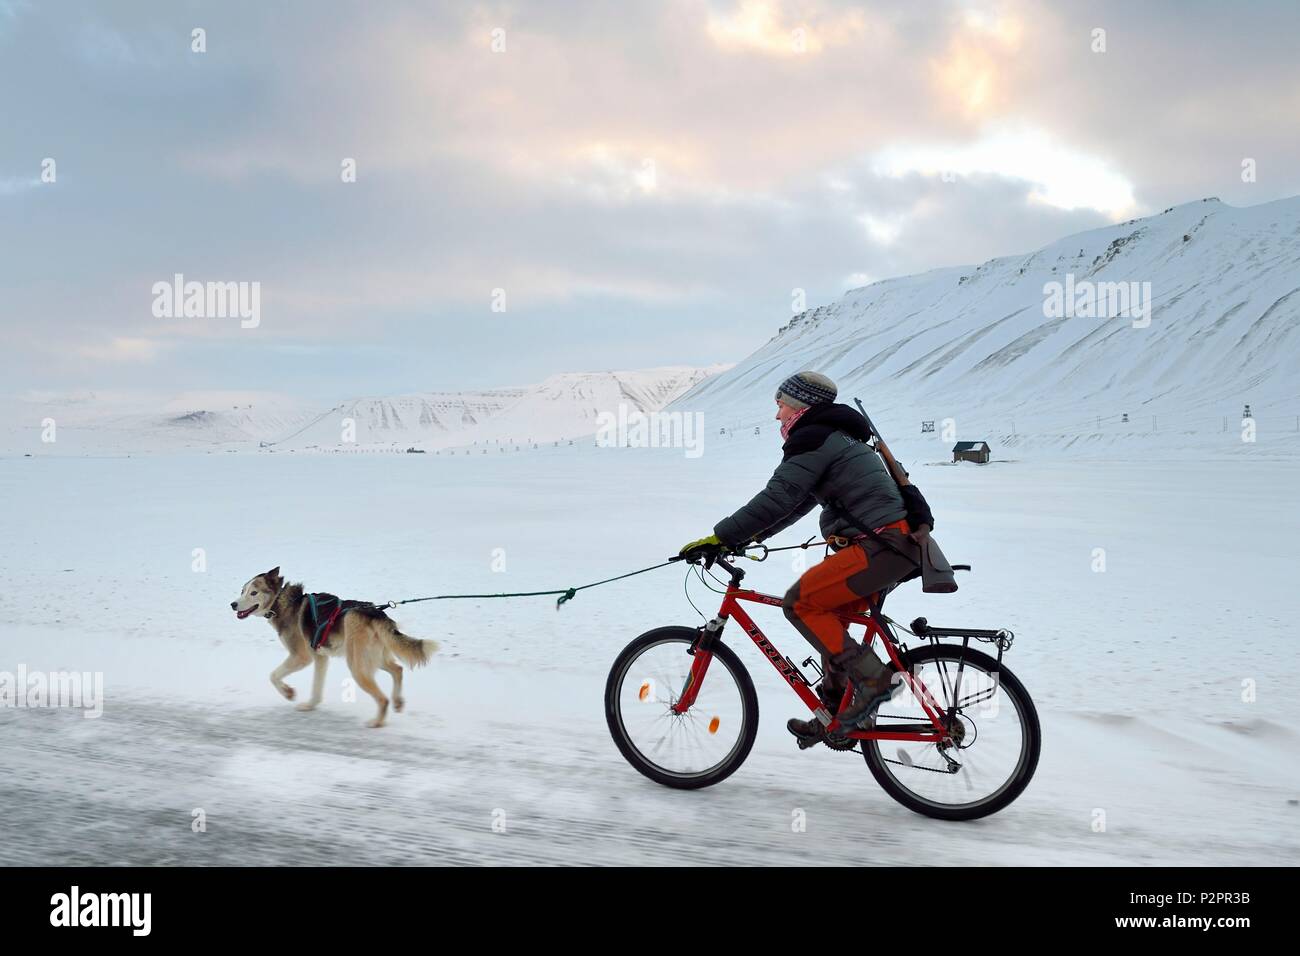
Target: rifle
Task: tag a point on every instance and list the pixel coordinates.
(895, 469)
(936, 574)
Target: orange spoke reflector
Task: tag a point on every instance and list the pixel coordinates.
(644, 692)
(714, 724)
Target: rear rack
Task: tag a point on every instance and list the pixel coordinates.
(1001, 637)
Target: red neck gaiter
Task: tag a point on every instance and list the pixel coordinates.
(789, 422)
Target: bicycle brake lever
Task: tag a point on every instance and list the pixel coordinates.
(696, 556)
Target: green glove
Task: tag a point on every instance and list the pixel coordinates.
(711, 540)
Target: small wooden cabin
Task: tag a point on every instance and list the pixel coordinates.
(977, 451)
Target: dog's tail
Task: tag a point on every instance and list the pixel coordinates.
(410, 650)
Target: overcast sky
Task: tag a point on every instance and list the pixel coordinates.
(648, 182)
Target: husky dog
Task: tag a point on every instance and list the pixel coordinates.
(365, 635)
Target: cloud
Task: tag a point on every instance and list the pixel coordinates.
(1061, 176)
(763, 26)
(123, 349)
(971, 76)
(648, 181)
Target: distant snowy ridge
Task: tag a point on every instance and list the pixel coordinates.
(563, 407)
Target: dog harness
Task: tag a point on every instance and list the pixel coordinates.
(324, 610)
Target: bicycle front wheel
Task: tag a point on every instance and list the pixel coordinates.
(699, 747)
(995, 738)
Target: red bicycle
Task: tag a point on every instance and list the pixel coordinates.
(959, 740)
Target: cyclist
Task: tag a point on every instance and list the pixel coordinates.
(826, 461)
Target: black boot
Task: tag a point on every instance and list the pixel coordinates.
(812, 731)
(872, 685)
(807, 732)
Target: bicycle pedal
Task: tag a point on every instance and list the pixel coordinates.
(833, 741)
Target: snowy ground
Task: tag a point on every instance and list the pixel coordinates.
(1143, 674)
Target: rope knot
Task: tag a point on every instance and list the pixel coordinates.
(568, 595)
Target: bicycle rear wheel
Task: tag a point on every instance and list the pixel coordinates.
(697, 748)
(996, 737)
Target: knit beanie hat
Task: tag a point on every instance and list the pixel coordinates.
(804, 389)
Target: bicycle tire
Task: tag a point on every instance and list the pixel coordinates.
(618, 730)
(1028, 761)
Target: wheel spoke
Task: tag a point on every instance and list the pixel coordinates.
(990, 729)
(699, 740)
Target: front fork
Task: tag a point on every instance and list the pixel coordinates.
(702, 653)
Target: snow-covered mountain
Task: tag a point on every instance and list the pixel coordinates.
(434, 418)
(1025, 351)
(256, 421)
(562, 407)
(568, 405)
(986, 346)
(113, 423)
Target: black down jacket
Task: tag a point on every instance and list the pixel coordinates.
(826, 462)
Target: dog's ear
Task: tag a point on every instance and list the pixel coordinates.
(273, 574)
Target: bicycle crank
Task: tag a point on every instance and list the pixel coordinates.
(833, 741)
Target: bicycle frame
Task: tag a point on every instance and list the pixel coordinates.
(792, 675)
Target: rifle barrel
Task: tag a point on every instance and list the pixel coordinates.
(895, 469)
(870, 423)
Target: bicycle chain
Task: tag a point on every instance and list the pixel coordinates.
(911, 765)
(854, 748)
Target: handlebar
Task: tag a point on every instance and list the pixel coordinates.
(718, 556)
(718, 553)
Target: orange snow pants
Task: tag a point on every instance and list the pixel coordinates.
(844, 582)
